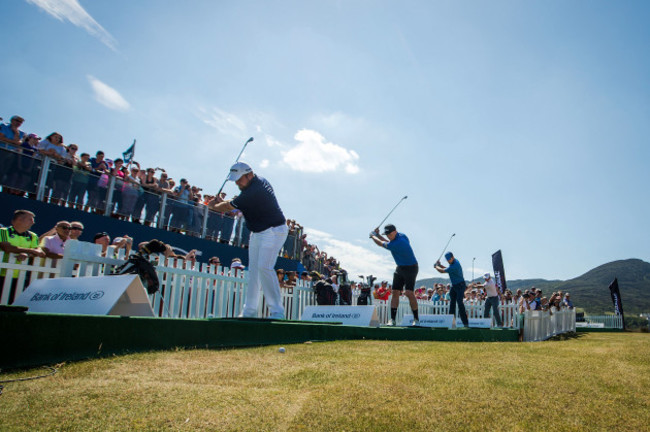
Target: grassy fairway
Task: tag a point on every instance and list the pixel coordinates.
(598, 381)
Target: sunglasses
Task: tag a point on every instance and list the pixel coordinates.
(67, 228)
(76, 229)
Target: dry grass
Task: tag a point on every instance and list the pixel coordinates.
(598, 381)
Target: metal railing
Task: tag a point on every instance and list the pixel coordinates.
(44, 179)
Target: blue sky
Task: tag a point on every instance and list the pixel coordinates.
(520, 126)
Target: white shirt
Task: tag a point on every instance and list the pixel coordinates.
(491, 288)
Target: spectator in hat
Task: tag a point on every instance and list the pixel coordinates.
(492, 300)
(103, 239)
(458, 286)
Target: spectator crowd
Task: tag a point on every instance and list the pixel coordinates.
(122, 188)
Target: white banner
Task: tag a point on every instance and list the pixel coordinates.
(349, 315)
(437, 321)
(97, 295)
(476, 322)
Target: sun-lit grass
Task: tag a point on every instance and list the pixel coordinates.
(597, 381)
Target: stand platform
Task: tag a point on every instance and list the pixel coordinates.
(33, 339)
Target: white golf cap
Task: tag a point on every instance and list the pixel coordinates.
(238, 170)
(486, 275)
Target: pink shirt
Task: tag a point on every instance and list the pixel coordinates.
(54, 244)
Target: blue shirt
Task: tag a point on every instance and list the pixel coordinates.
(455, 272)
(401, 250)
(259, 205)
(6, 130)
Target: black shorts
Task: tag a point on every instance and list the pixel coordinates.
(404, 277)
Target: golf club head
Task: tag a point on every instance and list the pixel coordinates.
(249, 140)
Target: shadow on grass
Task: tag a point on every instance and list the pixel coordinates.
(567, 336)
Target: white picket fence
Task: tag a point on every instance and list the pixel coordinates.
(541, 325)
(602, 321)
(218, 292)
(474, 309)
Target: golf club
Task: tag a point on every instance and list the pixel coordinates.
(446, 246)
(236, 160)
(389, 213)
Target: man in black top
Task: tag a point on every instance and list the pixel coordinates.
(268, 227)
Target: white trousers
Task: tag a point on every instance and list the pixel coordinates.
(263, 251)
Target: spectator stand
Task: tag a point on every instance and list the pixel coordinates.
(109, 196)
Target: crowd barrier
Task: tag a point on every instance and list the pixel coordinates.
(602, 321)
(206, 291)
(541, 325)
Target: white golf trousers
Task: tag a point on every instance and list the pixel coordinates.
(264, 248)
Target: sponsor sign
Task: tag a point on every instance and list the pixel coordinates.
(99, 295)
(349, 315)
(437, 321)
(476, 322)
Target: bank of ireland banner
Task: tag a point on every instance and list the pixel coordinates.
(499, 271)
(93, 295)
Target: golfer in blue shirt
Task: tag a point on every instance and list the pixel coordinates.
(405, 273)
(269, 230)
(458, 286)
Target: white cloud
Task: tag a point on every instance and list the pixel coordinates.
(314, 154)
(272, 142)
(357, 260)
(108, 96)
(264, 163)
(224, 122)
(72, 11)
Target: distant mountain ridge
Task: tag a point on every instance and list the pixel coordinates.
(590, 290)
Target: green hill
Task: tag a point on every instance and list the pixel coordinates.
(590, 291)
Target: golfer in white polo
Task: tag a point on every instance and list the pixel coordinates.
(269, 230)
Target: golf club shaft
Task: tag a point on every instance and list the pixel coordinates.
(446, 246)
(236, 160)
(390, 212)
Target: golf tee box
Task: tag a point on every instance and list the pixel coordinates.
(350, 315)
(122, 295)
(433, 321)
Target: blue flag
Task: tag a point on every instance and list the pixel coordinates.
(129, 153)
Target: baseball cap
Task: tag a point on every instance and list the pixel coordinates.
(448, 255)
(238, 170)
(389, 229)
(100, 235)
(486, 275)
